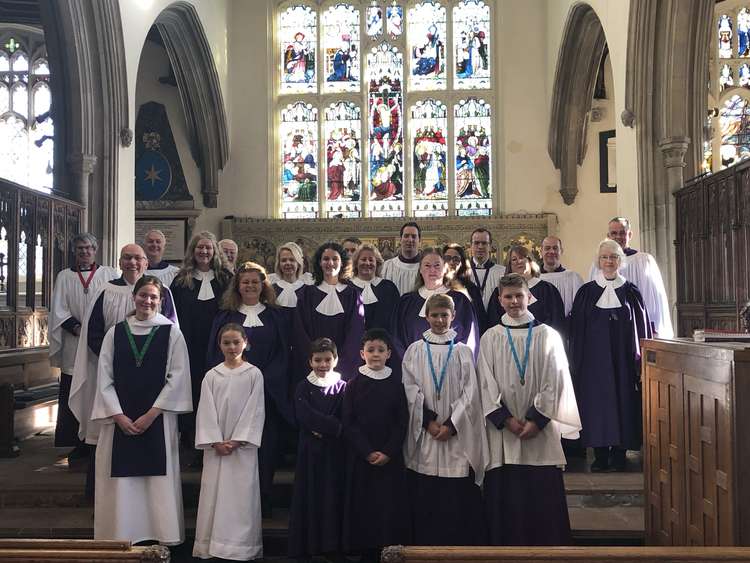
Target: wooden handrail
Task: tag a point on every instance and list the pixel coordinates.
(75, 551)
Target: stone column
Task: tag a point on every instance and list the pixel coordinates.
(81, 168)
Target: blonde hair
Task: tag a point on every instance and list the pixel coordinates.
(232, 301)
(375, 252)
(218, 262)
(297, 253)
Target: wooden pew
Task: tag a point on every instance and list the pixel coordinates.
(401, 554)
(74, 551)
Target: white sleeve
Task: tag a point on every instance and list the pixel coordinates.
(207, 429)
(106, 401)
(176, 396)
(249, 427)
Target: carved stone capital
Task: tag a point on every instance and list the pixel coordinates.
(674, 150)
(628, 118)
(126, 136)
(82, 163)
(569, 194)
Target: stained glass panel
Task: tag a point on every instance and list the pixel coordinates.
(19, 62)
(726, 78)
(14, 150)
(297, 36)
(4, 99)
(299, 174)
(20, 99)
(342, 127)
(394, 16)
(374, 21)
(725, 37)
(744, 76)
(471, 40)
(23, 249)
(429, 127)
(42, 99)
(473, 134)
(4, 62)
(426, 38)
(734, 125)
(41, 156)
(341, 48)
(385, 104)
(743, 33)
(40, 68)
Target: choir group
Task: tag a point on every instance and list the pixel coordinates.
(429, 392)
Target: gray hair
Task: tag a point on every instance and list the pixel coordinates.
(614, 247)
(84, 237)
(161, 234)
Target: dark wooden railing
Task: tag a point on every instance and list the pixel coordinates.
(74, 551)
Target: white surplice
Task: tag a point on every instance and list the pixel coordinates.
(459, 401)
(548, 387)
(165, 275)
(229, 516)
(402, 274)
(70, 301)
(567, 283)
(141, 508)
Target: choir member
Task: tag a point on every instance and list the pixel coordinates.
(375, 418)
(379, 296)
(567, 282)
(229, 425)
(640, 269)
(529, 402)
(230, 250)
(484, 272)
(410, 320)
(330, 308)
(459, 270)
(143, 383)
(289, 274)
(608, 321)
(197, 290)
(445, 450)
(73, 291)
(250, 303)
(403, 269)
(545, 302)
(315, 518)
(351, 244)
(155, 243)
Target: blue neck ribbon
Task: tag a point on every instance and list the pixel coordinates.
(438, 382)
(521, 368)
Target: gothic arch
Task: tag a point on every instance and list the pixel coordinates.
(581, 51)
(200, 92)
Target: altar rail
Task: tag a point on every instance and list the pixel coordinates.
(259, 238)
(73, 551)
(400, 554)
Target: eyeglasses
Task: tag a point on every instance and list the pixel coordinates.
(613, 257)
(617, 233)
(452, 259)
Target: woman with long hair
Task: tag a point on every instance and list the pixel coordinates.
(379, 296)
(289, 274)
(459, 270)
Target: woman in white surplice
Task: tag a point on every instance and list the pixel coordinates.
(229, 426)
(143, 383)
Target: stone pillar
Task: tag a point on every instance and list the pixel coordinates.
(81, 168)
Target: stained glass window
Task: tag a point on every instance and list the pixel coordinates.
(341, 48)
(374, 21)
(726, 78)
(394, 20)
(426, 40)
(298, 40)
(342, 127)
(471, 44)
(473, 134)
(429, 127)
(744, 76)
(725, 37)
(299, 174)
(734, 125)
(743, 33)
(386, 152)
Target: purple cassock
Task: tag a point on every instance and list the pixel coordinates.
(345, 328)
(408, 326)
(547, 306)
(315, 518)
(375, 418)
(605, 365)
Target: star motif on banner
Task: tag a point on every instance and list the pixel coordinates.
(152, 175)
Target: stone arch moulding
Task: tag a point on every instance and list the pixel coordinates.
(581, 51)
(200, 92)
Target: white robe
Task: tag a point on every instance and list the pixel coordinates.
(642, 270)
(69, 300)
(459, 401)
(403, 274)
(165, 275)
(548, 388)
(567, 283)
(137, 509)
(493, 276)
(229, 517)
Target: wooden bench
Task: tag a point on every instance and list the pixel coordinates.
(401, 554)
(73, 551)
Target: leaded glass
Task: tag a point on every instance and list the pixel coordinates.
(744, 76)
(471, 44)
(42, 99)
(342, 127)
(472, 130)
(4, 99)
(19, 62)
(429, 126)
(14, 150)
(743, 33)
(41, 156)
(426, 38)
(341, 48)
(394, 16)
(299, 174)
(385, 105)
(40, 68)
(20, 99)
(726, 78)
(4, 62)
(297, 36)
(38, 271)
(725, 37)
(23, 250)
(374, 21)
(734, 125)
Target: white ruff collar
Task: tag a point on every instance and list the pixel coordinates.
(331, 304)
(384, 373)
(433, 338)
(527, 317)
(288, 295)
(368, 295)
(331, 378)
(425, 294)
(206, 292)
(609, 299)
(251, 313)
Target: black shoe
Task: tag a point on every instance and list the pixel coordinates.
(619, 463)
(600, 465)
